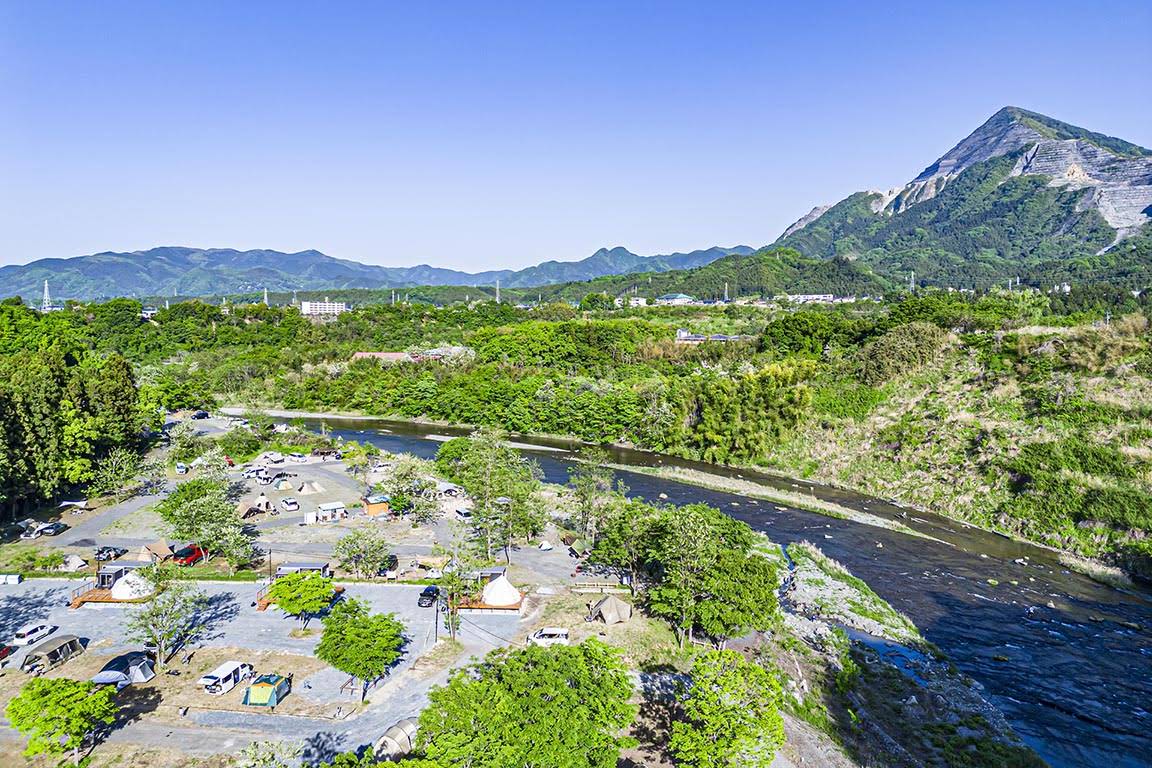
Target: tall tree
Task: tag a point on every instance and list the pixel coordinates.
(360, 643)
(59, 715)
(301, 594)
(503, 486)
(731, 716)
(364, 551)
(558, 707)
(168, 620)
(591, 484)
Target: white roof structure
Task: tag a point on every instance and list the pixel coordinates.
(132, 586)
(500, 593)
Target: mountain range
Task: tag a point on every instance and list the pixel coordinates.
(216, 271)
(1023, 196)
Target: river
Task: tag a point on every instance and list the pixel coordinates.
(1068, 660)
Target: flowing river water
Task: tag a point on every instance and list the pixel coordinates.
(1066, 659)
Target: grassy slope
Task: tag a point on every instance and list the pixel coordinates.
(949, 439)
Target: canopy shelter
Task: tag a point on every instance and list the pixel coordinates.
(309, 488)
(610, 609)
(267, 691)
(156, 552)
(52, 653)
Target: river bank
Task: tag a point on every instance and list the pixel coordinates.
(727, 478)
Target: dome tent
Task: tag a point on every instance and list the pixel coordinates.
(132, 586)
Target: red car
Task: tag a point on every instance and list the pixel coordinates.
(6, 651)
(189, 555)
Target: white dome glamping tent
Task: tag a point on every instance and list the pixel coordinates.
(132, 586)
(499, 596)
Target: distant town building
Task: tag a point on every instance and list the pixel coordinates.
(324, 308)
(383, 357)
(147, 313)
(675, 299)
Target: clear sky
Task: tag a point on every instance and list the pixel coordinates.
(480, 135)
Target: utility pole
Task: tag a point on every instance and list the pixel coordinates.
(497, 291)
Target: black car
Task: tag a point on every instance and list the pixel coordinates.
(53, 529)
(104, 554)
(428, 597)
(200, 415)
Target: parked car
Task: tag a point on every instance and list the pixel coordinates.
(299, 458)
(225, 677)
(5, 652)
(289, 504)
(254, 472)
(189, 555)
(181, 468)
(32, 633)
(53, 529)
(31, 533)
(199, 415)
(428, 597)
(104, 554)
(549, 636)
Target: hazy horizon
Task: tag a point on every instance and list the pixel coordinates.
(500, 137)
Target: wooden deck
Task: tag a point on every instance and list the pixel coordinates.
(92, 595)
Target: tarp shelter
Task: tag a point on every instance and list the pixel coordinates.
(267, 691)
(74, 504)
(156, 552)
(610, 609)
(398, 741)
(500, 593)
(73, 563)
(309, 487)
(132, 586)
(128, 668)
(52, 652)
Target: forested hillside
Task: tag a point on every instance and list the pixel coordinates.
(1011, 409)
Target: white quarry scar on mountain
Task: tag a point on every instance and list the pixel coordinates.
(1121, 187)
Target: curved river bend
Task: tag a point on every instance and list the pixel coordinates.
(1068, 660)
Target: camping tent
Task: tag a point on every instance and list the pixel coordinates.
(128, 668)
(156, 552)
(579, 547)
(309, 487)
(500, 593)
(132, 586)
(399, 740)
(263, 503)
(73, 563)
(610, 609)
(267, 691)
(283, 485)
(51, 653)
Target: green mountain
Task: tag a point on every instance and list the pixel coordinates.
(1022, 196)
(767, 272)
(215, 271)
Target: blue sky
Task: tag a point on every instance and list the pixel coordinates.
(484, 135)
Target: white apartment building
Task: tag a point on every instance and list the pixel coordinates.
(322, 308)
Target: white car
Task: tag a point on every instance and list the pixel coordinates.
(289, 504)
(549, 636)
(299, 458)
(32, 533)
(254, 472)
(32, 633)
(181, 468)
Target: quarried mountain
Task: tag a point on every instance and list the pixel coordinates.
(1020, 191)
(199, 272)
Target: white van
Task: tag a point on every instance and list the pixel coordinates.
(225, 677)
(549, 636)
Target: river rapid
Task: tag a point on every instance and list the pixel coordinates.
(1068, 660)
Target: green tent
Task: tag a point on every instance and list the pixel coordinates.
(267, 691)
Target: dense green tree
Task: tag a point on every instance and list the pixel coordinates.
(363, 551)
(360, 643)
(731, 715)
(301, 594)
(169, 620)
(558, 707)
(60, 715)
